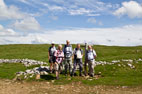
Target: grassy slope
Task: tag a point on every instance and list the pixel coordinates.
(112, 74)
(8, 70)
(39, 52)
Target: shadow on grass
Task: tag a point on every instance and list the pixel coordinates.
(47, 77)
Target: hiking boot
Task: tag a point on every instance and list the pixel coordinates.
(91, 75)
(80, 75)
(72, 75)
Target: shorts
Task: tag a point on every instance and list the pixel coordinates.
(52, 59)
(58, 66)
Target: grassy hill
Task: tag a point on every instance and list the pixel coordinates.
(40, 51)
(110, 74)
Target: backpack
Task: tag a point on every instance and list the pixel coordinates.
(68, 51)
(52, 50)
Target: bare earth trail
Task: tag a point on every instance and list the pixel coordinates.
(35, 87)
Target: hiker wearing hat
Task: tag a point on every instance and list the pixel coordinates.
(51, 57)
(68, 57)
(90, 57)
(78, 54)
(59, 56)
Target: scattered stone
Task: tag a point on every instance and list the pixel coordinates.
(129, 60)
(26, 62)
(115, 61)
(99, 73)
(124, 86)
(90, 79)
(52, 81)
(139, 59)
(131, 66)
(42, 70)
(119, 65)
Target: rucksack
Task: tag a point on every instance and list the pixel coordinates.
(68, 51)
(52, 50)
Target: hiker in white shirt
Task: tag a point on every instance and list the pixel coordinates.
(78, 54)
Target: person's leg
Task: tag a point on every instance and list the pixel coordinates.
(89, 67)
(60, 68)
(51, 64)
(70, 65)
(80, 67)
(57, 70)
(92, 68)
(51, 67)
(66, 66)
(74, 67)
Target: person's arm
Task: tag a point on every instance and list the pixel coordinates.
(73, 54)
(95, 55)
(64, 49)
(49, 53)
(82, 53)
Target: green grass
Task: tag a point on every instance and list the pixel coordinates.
(111, 74)
(8, 71)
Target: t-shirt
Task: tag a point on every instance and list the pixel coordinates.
(52, 50)
(59, 55)
(90, 54)
(78, 53)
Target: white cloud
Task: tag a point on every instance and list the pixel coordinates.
(53, 7)
(92, 20)
(79, 11)
(132, 9)
(54, 17)
(24, 21)
(10, 12)
(129, 35)
(93, 14)
(76, 7)
(24, 1)
(27, 24)
(7, 32)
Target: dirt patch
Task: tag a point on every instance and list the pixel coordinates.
(22, 87)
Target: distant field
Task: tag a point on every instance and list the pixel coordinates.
(40, 51)
(110, 74)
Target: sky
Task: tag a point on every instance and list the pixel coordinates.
(100, 22)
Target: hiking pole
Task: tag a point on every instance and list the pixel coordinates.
(85, 64)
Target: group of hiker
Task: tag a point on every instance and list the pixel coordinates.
(61, 58)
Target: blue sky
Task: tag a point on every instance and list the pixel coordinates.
(104, 22)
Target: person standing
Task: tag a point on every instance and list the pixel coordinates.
(59, 56)
(78, 54)
(51, 57)
(90, 57)
(68, 57)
